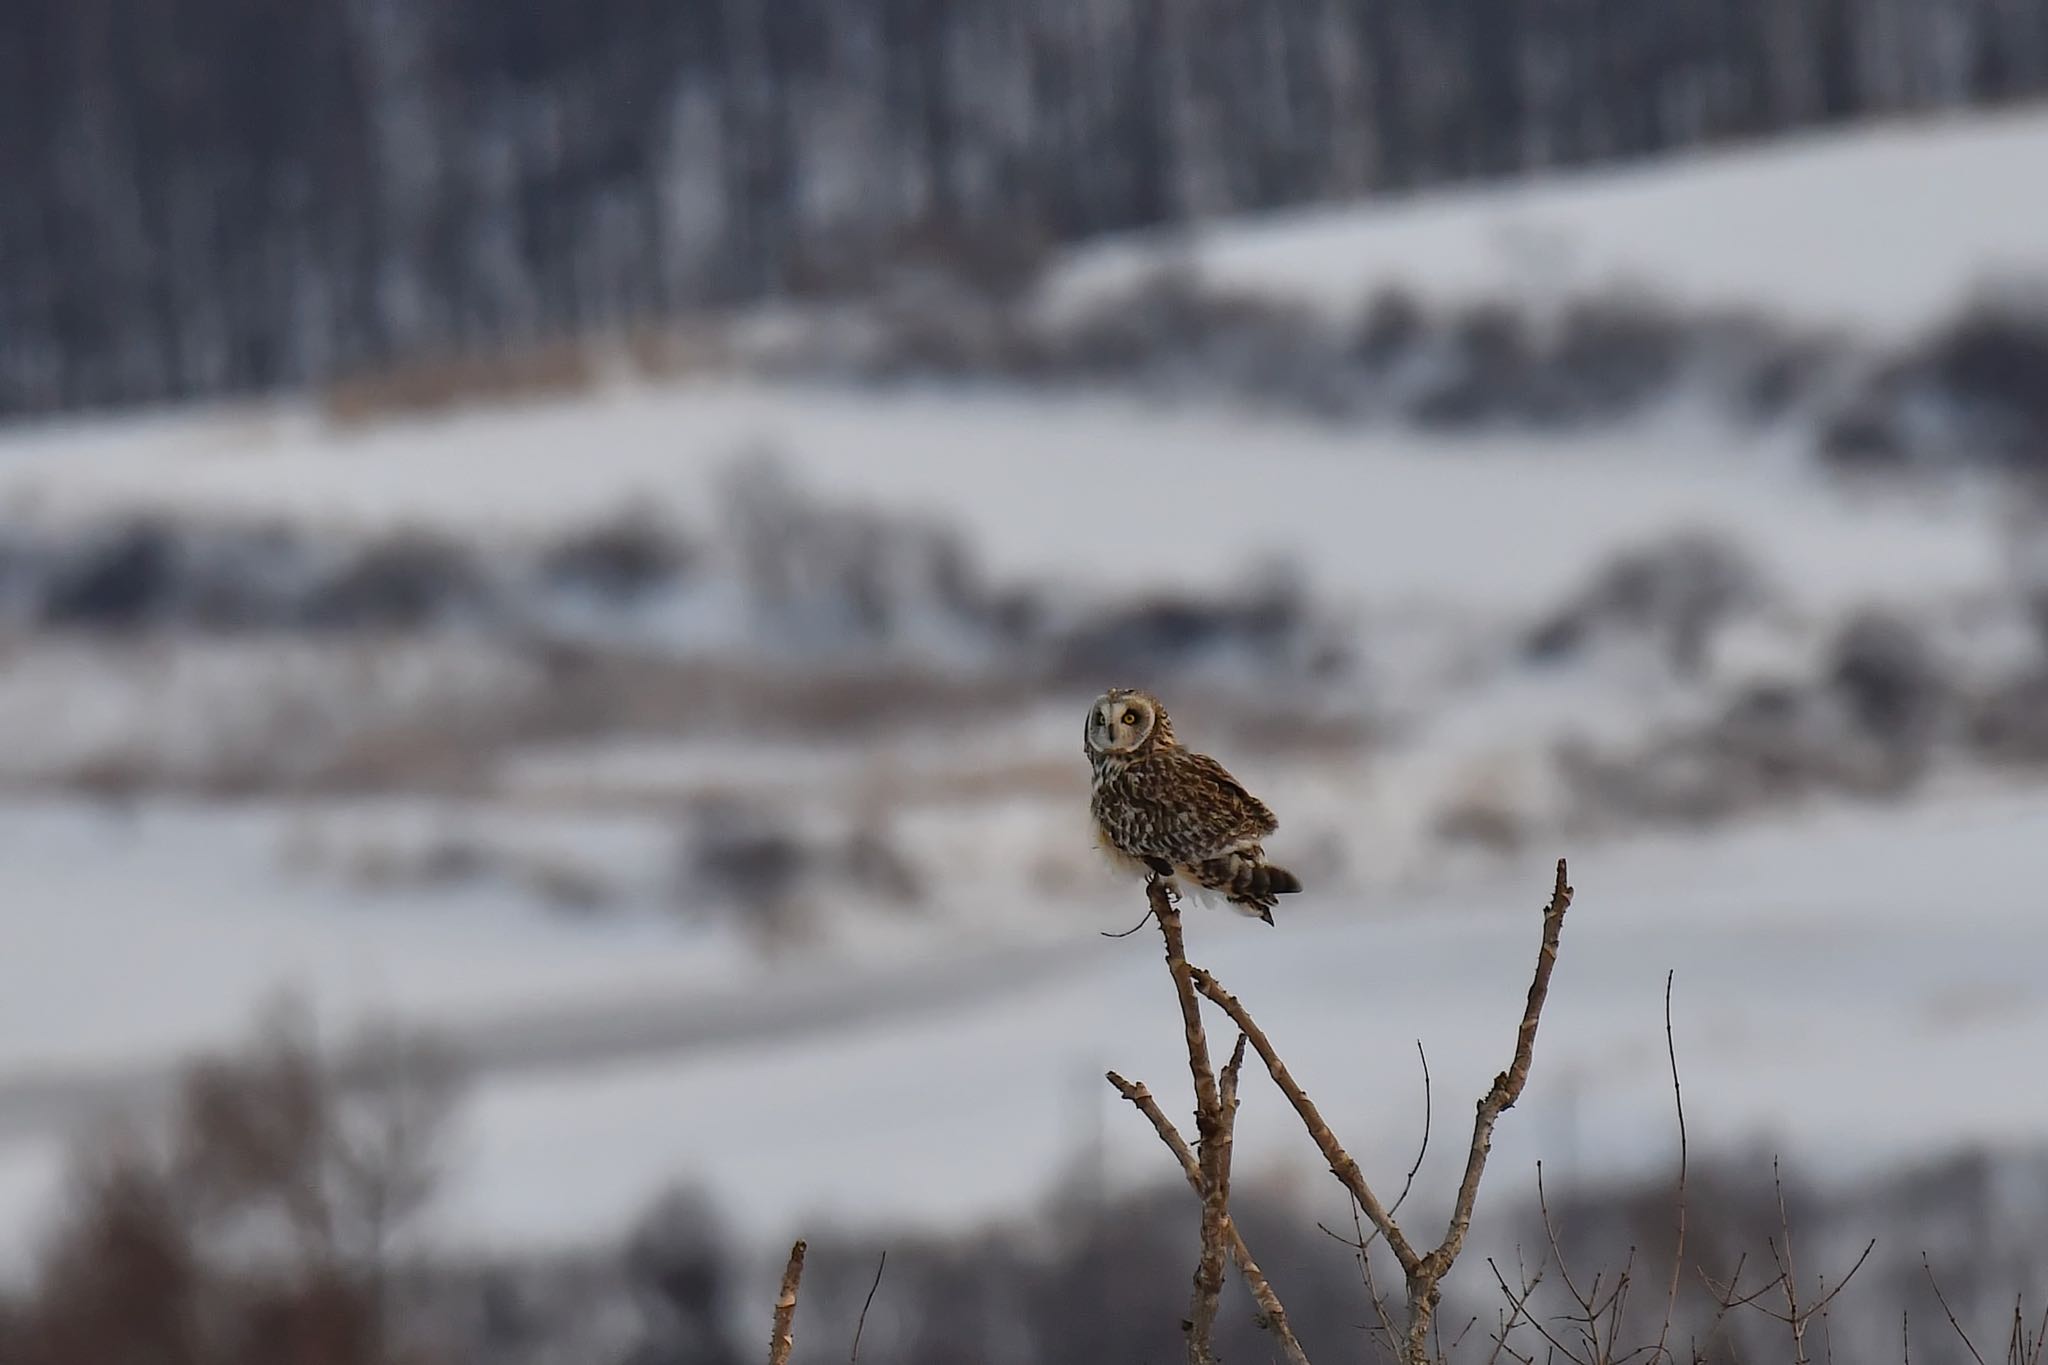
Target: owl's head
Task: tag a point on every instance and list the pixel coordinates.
(1125, 722)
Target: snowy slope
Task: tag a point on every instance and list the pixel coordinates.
(1507, 520)
(1880, 229)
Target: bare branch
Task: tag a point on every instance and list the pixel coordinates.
(1424, 1280)
(1341, 1165)
(1942, 1299)
(1271, 1313)
(1424, 1273)
(1141, 1096)
(1231, 1070)
(1428, 1122)
(1126, 933)
(1581, 1297)
(1678, 1252)
(1829, 1296)
(783, 1342)
(1421, 1151)
(1507, 1087)
(1362, 1245)
(1214, 1159)
(1520, 1305)
(1787, 1274)
(1212, 1130)
(862, 1325)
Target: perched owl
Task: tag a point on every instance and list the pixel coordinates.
(1167, 811)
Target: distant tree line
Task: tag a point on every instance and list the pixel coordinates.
(213, 196)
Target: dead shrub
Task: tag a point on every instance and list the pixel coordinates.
(1675, 593)
(261, 1225)
(623, 557)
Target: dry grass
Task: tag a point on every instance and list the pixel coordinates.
(427, 387)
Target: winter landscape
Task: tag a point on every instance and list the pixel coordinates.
(680, 739)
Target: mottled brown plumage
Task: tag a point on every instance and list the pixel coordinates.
(1167, 811)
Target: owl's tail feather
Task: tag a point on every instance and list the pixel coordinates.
(1248, 883)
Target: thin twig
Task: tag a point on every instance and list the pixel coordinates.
(1729, 1301)
(1361, 1244)
(862, 1325)
(1270, 1309)
(783, 1342)
(1827, 1324)
(1678, 1252)
(1132, 930)
(1942, 1299)
(1428, 1122)
(1831, 1294)
(1518, 1305)
(2032, 1353)
(1787, 1273)
(1521, 1307)
(1422, 1151)
(1465, 1331)
(1564, 1270)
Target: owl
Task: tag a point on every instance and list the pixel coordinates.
(1165, 811)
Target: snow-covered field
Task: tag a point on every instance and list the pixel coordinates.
(1856, 986)
(1096, 490)
(1853, 986)
(1853, 980)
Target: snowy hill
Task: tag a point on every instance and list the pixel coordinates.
(1880, 230)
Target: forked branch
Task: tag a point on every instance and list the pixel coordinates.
(1207, 1167)
(1422, 1271)
(1272, 1315)
(1341, 1165)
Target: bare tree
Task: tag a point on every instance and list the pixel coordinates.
(1215, 1108)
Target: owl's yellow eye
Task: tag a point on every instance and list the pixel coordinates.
(1130, 717)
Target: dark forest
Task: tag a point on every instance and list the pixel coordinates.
(205, 197)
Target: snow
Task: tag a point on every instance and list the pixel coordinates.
(1825, 968)
(1853, 982)
(1828, 964)
(941, 1088)
(1882, 229)
(1511, 520)
(138, 935)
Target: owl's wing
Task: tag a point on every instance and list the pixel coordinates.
(1234, 811)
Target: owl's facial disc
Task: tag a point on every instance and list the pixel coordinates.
(1119, 722)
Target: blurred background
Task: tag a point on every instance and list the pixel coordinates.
(552, 557)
